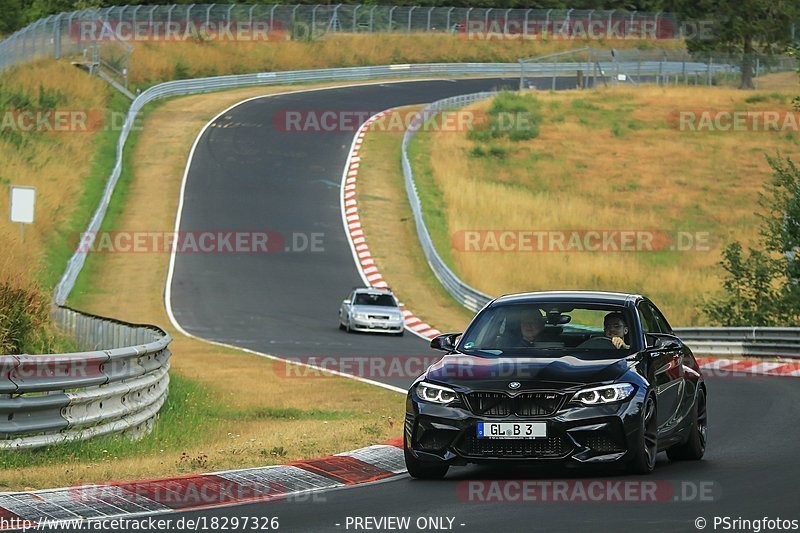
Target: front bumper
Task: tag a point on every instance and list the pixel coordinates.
(380, 326)
(577, 434)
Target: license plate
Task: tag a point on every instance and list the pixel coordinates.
(512, 430)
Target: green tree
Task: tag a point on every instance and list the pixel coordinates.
(10, 15)
(750, 292)
(742, 27)
(781, 230)
(762, 287)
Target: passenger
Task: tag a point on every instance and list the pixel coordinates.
(531, 325)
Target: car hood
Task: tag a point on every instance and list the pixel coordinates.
(472, 372)
(376, 309)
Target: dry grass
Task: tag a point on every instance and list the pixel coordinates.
(130, 286)
(780, 81)
(609, 160)
(158, 61)
(55, 163)
(389, 229)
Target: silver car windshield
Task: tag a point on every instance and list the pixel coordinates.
(383, 300)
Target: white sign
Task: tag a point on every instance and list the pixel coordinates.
(622, 77)
(23, 204)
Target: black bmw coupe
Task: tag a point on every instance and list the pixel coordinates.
(577, 377)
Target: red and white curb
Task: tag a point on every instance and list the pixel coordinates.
(235, 487)
(355, 232)
(724, 367)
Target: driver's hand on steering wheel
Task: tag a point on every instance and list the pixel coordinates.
(619, 343)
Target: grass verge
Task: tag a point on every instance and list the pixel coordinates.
(153, 62)
(67, 181)
(607, 160)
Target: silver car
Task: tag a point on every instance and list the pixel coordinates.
(371, 310)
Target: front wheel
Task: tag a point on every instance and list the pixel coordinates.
(695, 446)
(421, 470)
(644, 458)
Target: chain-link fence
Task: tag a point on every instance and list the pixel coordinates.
(73, 34)
(102, 40)
(596, 67)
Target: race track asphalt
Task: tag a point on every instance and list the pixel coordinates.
(249, 174)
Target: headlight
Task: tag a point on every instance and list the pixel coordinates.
(435, 393)
(604, 394)
(360, 316)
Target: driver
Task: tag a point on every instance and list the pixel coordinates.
(615, 328)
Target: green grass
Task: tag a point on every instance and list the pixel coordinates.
(767, 97)
(190, 415)
(187, 415)
(292, 413)
(430, 196)
(62, 244)
(512, 116)
(91, 268)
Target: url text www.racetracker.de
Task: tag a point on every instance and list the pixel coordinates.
(230, 523)
(146, 524)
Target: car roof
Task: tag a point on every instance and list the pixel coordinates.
(618, 298)
(369, 290)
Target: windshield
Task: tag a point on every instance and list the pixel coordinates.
(384, 300)
(552, 329)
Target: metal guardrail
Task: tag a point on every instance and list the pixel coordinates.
(469, 297)
(741, 341)
(54, 398)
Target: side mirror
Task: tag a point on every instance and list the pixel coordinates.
(346, 302)
(445, 342)
(660, 343)
(666, 343)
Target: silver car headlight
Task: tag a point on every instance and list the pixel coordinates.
(435, 393)
(604, 394)
(361, 316)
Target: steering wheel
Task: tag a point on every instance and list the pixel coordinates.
(597, 343)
